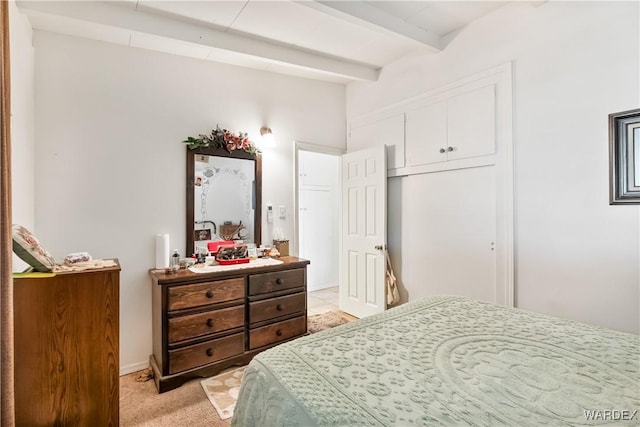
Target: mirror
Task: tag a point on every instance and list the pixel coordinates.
(223, 197)
(624, 155)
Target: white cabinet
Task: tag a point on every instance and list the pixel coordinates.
(471, 124)
(452, 128)
(314, 167)
(318, 217)
(426, 134)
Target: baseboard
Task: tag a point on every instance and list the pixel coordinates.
(124, 370)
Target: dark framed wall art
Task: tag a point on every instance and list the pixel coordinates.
(624, 157)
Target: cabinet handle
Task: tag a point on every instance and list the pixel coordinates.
(209, 352)
(279, 307)
(279, 281)
(449, 148)
(279, 333)
(442, 150)
(209, 293)
(210, 322)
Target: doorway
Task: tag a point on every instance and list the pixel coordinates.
(318, 213)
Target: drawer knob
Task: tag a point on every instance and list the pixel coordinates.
(279, 307)
(209, 293)
(279, 333)
(279, 280)
(209, 322)
(209, 352)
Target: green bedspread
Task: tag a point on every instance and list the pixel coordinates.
(447, 361)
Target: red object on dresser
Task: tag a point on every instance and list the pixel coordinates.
(214, 246)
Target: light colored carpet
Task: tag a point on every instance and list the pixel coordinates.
(188, 405)
(141, 405)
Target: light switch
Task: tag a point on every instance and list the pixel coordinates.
(269, 212)
(282, 212)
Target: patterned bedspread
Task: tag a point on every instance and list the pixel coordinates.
(447, 361)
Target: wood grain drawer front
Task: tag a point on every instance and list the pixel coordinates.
(278, 281)
(195, 325)
(188, 296)
(206, 352)
(276, 307)
(276, 332)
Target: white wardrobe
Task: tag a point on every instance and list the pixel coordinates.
(450, 187)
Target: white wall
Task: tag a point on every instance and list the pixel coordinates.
(110, 165)
(22, 123)
(574, 63)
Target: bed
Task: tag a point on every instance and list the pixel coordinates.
(446, 361)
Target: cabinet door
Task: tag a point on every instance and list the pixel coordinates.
(427, 134)
(471, 123)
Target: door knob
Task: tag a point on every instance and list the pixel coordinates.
(378, 247)
(449, 148)
(442, 150)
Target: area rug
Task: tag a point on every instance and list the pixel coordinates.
(222, 391)
(330, 319)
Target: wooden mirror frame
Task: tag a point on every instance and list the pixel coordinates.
(221, 152)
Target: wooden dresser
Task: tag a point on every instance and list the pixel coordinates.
(204, 323)
(67, 348)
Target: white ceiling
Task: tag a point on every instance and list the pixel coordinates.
(338, 41)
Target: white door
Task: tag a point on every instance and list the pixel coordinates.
(319, 216)
(364, 232)
(453, 223)
(317, 239)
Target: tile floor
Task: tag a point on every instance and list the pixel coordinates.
(321, 301)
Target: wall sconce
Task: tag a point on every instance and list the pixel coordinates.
(267, 136)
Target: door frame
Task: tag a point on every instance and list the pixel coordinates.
(315, 148)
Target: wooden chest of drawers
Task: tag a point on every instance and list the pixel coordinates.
(67, 330)
(205, 323)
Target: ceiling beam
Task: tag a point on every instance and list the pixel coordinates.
(117, 15)
(360, 12)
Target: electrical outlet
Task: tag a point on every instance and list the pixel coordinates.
(282, 212)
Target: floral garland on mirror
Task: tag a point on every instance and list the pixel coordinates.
(223, 138)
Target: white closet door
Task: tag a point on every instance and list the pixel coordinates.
(317, 210)
(454, 225)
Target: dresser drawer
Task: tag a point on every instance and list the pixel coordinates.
(189, 296)
(276, 307)
(276, 332)
(277, 281)
(204, 353)
(185, 327)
